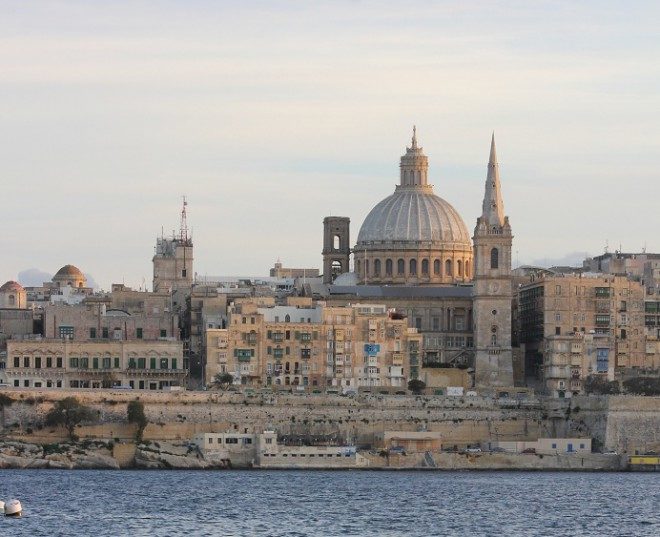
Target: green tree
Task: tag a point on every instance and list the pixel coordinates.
(416, 386)
(69, 413)
(5, 401)
(223, 380)
(643, 385)
(601, 386)
(135, 414)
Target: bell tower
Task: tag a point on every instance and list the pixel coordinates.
(493, 288)
(336, 246)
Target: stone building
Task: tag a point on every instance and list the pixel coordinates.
(68, 286)
(279, 271)
(13, 296)
(314, 346)
(573, 307)
(65, 363)
(413, 236)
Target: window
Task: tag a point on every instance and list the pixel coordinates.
(92, 333)
(436, 267)
(116, 362)
(459, 267)
(388, 267)
(467, 269)
(558, 317)
(106, 362)
(138, 333)
(557, 330)
(66, 332)
(59, 361)
(418, 323)
(17, 361)
(95, 363)
(448, 267)
(400, 267)
(494, 258)
(37, 362)
(436, 324)
(413, 267)
(164, 363)
(377, 267)
(184, 272)
(142, 363)
(163, 333)
(49, 361)
(554, 446)
(26, 361)
(425, 267)
(105, 333)
(152, 363)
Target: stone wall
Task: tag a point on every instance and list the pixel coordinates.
(621, 423)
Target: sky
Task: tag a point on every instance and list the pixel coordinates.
(269, 116)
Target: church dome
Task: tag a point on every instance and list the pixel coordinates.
(414, 215)
(69, 270)
(11, 286)
(413, 237)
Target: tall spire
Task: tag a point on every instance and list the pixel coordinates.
(493, 207)
(414, 138)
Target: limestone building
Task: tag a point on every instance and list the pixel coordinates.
(563, 317)
(314, 346)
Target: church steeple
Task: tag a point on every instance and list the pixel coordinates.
(493, 207)
(414, 165)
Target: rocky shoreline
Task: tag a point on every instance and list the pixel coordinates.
(103, 455)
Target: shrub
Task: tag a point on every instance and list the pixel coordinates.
(69, 413)
(135, 414)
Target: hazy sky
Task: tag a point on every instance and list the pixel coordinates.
(271, 115)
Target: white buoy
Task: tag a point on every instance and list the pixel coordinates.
(2, 506)
(13, 508)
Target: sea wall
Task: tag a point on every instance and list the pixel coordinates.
(620, 423)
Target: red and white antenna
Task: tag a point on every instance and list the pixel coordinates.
(183, 231)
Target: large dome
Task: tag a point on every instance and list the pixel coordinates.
(414, 215)
(413, 237)
(69, 270)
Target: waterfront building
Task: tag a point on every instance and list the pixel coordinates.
(278, 271)
(564, 318)
(67, 363)
(314, 346)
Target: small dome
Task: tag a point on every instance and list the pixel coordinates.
(11, 286)
(69, 270)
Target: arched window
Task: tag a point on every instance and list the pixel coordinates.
(400, 267)
(467, 269)
(448, 267)
(494, 258)
(425, 267)
(436, 267)
(12, 300)
(413, 267)
(287, 318)
(459, 267)
(366, 267)
(493, 335)
(336, 242)
(377, 267)
(358, 266)
(388, 267)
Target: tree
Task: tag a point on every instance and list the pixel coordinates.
(643, 385)
(598, 385)
(69, 413)
(223, 380)
(5, 401)
(416, 386)
(135, 414)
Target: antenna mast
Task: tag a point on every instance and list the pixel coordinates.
(183, 230)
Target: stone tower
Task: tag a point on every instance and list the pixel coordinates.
(173, 263)
(336, 247)
(492, 289)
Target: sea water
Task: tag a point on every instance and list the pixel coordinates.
(301, 503)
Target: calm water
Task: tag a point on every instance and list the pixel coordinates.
(296, 503)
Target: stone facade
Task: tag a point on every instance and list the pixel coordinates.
(336, 247)
(314, 347)
(571, 308)
(62, 363)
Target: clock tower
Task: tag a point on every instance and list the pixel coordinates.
(492, 291)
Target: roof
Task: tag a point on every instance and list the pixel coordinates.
(69, 270)
(394, 291)
(11, 286)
